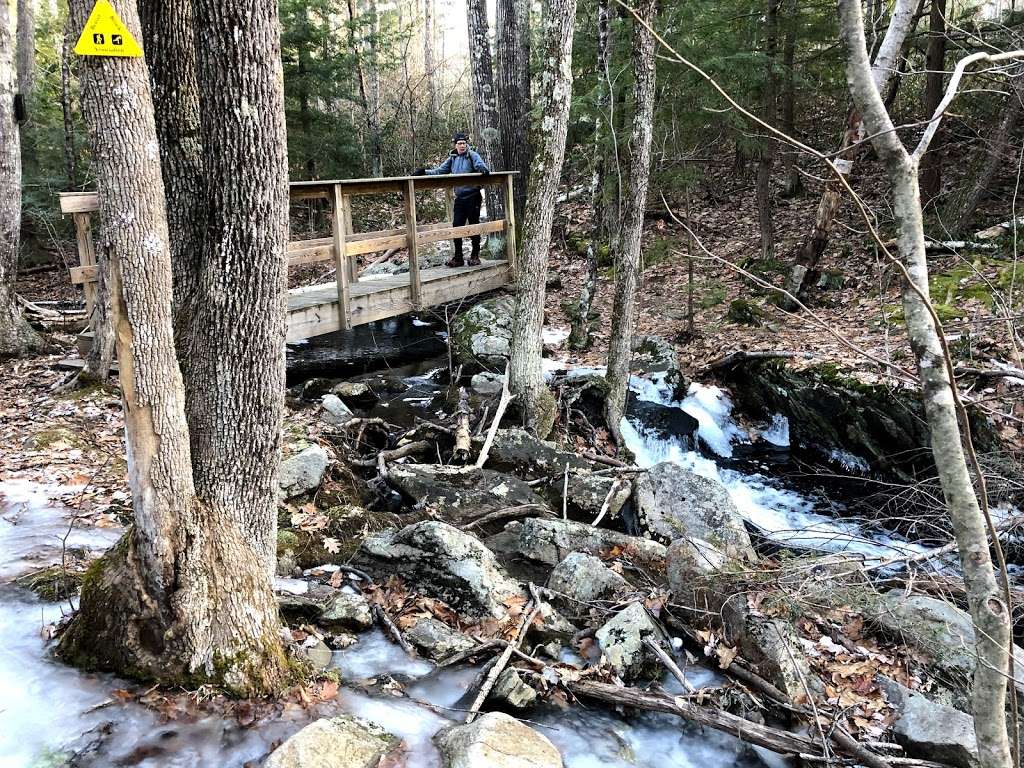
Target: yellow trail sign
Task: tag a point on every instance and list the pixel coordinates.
(106, 35)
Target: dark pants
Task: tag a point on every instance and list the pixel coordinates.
(467, 211)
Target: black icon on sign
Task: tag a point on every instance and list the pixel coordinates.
(116, 40)
(98, 39)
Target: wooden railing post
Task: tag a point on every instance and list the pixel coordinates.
(340, 260)
(449, 204)
(510, 227)
(353, 270)
(411, 244)
(86, 256)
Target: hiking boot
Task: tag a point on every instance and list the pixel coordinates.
(474, 260)
(455, 261)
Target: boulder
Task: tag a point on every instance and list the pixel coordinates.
(336, 742)
(496, 740)
(656, 358)
(462, 494)
(672, 503)
(481, 336)
(663, 422)
(516, 450)
(622, 640)
(487, 383)
(436, 640)
(549, 541)
(691, 565)
(315, 651)
(583, 578)
(356, 394)
(315, 388)
(334, 411)
(512, 691)
(929, 730)
(346, 611)
(442, 562)
(587, 493)
(302, 472)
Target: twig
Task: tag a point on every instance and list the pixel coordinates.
(670, 664)
(616, 485)
(389, 626)
(508, 513)
(506, 398)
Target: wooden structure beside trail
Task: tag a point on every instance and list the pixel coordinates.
(352, 299)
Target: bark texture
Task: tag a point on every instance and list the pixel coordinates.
(16, 337)
(512, 48)
(988, 611)
(627, 273)
(882, 69)
(235, 341)
(551, 119)
(182, 598)
(579, 334)
(26, 46)
(767, 149)
(935, 57)
(168, 39)
(485, 111)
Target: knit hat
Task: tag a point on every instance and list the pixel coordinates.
(460, 136)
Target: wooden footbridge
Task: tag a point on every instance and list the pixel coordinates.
(352, 299)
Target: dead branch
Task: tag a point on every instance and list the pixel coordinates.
(506, 398)
(389, 627)
(462, 436)
(394, 453)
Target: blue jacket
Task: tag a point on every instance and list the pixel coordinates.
(470, 162)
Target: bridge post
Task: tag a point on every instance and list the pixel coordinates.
(353, 270)
(510, 227)
(340, 260)
(86, 258)
(411, 245)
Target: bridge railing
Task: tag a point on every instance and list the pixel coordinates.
(344, 244)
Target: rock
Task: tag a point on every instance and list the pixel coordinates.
(691, 564)
(356, 394)
(656, 358)
(663, 422)
(481, 336)
(549, 541)
(302, 472)
(462, 495)
(487, 383)
(622, 643)
(743, 312)
(510, 689)
(496, 740)
(929, 730)
(516, 450)
(347, 524)
(443, 562)
(671, 503)
(346, 611)
(335, 742)
(583, 578)
(436, 640)
(315, 388)
(315, 651)
(587, 493)
(334, 411)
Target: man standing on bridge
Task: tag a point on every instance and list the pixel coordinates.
(468, 200)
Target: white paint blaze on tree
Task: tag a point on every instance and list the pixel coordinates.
(989, 612)
(16, 337)
(553, 94)
(627, 273)
(183, 598)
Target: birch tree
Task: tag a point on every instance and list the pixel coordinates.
(551, 120)
(620, 344)
(16, 337)
(183, 598)
(882, 69)
(943, 408)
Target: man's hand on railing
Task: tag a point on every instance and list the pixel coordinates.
(420, 172)
(484, 172)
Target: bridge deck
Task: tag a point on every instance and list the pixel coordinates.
(313, 310)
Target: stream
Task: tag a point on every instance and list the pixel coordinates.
(49, 712)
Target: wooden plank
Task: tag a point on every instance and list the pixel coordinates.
(79, 202)
(467, 230)
(411, 244)
(86, 258)
(84, 275)
(353, 268)
(340, 259)
(449, 204)
(375, 244)
(510, 226)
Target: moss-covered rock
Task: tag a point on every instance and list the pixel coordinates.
(343, 530)
(480, 337)
(52, 584)
(743, 312)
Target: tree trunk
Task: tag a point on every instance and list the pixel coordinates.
(512, 49)
(485, 113)
(368, 78)
(26, 47)
(809, 253)
(554, 95)
(989, 612)
(792, 182)
(182, 599)
(235, 386)
(935, 59)
(70, 153)
(16, 337)
(767, 149)
(429, 65)
(579, 334)
(998, 151)
(168, 31)
(620, 343)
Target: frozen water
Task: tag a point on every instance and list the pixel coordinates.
(778, 432)
(849, 461)
(290, 586)
(375, 655)
(554, 336)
